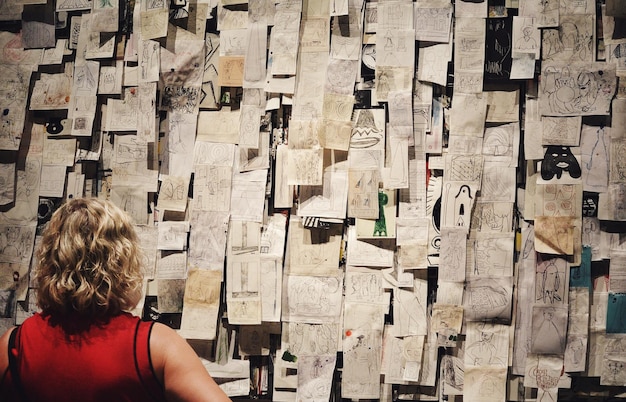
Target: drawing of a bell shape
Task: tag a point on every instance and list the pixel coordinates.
(458, 205)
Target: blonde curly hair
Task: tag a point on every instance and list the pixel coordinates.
(89, 262)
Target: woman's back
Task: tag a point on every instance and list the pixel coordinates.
(102, 362)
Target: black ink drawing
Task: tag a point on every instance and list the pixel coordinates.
(574, 89)
(557, 160)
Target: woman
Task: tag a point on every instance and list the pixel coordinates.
(84, 345)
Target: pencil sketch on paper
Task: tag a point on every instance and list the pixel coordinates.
(551, 280)
(305, 166)
(207, 239)
(526, 36)
(453, 254)
(71, 5)
(361, 357)
(493, 254)
(559, 200)
(463, 168)
(501, 143)
(16, 243)
(613, 372)
(488, 298)
(363, 190)
(411, 310)
(575, 356)
(315, 375)
(245, 277)
(212, 186)
(549, 328)
(364, 285)
(493, 216)
(312, 299)
(13, 98)
(249, 128)
(498, 183)
(486, 384)
(561, 130)
(617, 170)
(572, 41)
(302, 339)
(487, 344)
(313, 251)
(271, 290)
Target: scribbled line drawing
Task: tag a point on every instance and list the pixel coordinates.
(16, 243)
(312, 339)
(572, 41)
(465, 168)
(487, 350)
(488, 298)
(493, 256)
(550, 281)
(548, 333)
(561, 130)
(570, 89)
(527, 43)
(361, 354)
(493, 216)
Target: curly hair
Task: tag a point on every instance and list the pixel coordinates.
(89, 262)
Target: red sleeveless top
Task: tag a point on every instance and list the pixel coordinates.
(102, 363)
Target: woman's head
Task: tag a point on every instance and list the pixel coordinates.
(89, 261)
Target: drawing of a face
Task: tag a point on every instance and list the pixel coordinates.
(559, 159)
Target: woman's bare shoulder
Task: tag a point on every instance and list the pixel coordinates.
(4, 350)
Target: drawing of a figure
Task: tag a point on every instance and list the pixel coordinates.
(559, 88)
(548, 338)
(597, 159)
(550, 284)
(463, 206)
(526, 42)
(484, 351)
(587, 92)
(380, 226)
(576, 350)
(361, 356)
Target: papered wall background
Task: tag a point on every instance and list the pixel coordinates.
(339, 198)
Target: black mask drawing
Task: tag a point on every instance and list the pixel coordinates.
(559, 159)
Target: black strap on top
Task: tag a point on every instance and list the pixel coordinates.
(13, 365)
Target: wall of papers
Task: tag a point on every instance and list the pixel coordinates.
(419, 200)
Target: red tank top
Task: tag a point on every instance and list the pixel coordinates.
(104, 363)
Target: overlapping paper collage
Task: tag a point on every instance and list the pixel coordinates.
(393, 199)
